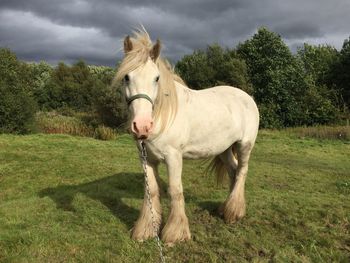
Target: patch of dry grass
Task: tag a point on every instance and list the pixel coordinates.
(322, 132)
(55, 123)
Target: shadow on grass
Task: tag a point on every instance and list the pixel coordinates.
(212, 207)
(110, 191)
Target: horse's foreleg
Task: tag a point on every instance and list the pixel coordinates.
(234, 206)
(176, 228)
(143, 228)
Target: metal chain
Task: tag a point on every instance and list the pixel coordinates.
(149, 200)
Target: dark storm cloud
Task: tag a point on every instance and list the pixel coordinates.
(92, 30)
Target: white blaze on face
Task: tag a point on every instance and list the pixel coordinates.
(143, 80)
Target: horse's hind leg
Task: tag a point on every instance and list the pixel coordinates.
(234, 206)
(230, 162)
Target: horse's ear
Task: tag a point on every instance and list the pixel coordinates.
(155, 52)
(127, 44)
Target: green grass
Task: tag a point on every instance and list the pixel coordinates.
(74, 199)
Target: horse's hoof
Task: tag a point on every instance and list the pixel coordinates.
(176, 230)
(233, 211)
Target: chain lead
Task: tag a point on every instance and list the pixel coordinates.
(143, 152)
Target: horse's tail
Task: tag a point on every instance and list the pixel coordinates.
(218, 167)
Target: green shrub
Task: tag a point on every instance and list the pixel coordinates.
(17, 106)
(111, 107)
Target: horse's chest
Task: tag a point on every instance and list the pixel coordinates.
(155, 152)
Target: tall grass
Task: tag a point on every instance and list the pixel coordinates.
(322, 132)
(55, 123)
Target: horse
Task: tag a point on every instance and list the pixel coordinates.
(176, 122)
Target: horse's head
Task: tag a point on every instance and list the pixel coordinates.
(141, 86)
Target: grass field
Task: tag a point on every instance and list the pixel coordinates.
(73, 199)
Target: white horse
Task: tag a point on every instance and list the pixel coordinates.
(176, 122)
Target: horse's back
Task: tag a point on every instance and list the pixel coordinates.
(217, 117)
(244, 108)
(240, 104)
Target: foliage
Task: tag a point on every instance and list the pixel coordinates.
(285, 87)
(74, 199)
(73, 87)
(318, 61)
(17, 106)
(322, 98)
(195, 71)
(340, 76)
(213, 67)
(41, 76)
(111, 106)
(309, 88)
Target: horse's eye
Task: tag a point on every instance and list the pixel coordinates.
(157, 78)
(126, 78)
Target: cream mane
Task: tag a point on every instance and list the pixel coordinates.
(165, 106)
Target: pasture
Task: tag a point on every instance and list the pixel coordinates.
(74, 199)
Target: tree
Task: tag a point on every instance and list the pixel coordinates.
(322, 99)
(318, 61)
(17, 106)
(111, 106)
(280, 85)
(74, 87)
(195, 71)
(212, 67)
(340, 76)
(41, 76)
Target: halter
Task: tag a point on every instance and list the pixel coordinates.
(139, 96)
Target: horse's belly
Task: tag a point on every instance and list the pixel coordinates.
(211, 134)
(207, 147)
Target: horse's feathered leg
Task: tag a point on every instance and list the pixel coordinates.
(227, 163)
(143, 228)
(234, 206)
(176, 228)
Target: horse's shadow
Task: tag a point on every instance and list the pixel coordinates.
(212, 207)
(110, 191)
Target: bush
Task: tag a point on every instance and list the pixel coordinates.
(111, 107)
(17, 106)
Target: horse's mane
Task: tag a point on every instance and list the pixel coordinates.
(165, 106)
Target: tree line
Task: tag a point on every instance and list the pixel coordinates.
(307, 88)
(310, 87)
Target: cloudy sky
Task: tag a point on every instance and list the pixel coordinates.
(67, 30)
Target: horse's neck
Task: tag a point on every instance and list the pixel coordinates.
(182, 91)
